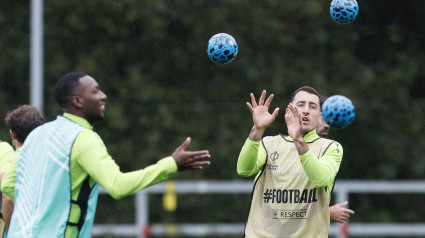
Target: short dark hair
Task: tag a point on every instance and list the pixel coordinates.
(23, 120)
(309, 90)
(322, 99)
(66, 86)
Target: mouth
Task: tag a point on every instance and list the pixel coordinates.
(102, 107)
(305, 120)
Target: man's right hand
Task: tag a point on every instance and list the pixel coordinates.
(339, 213)
(190, 160)
(260, 115)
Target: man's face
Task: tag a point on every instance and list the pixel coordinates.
(94, 99)
(308, 106)
(322, 129)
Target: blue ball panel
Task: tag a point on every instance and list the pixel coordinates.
(338, 111)
(222, 48)
(344, 11)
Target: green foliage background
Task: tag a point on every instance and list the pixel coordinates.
(150, 58)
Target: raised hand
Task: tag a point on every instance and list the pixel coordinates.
(293, 121)
(190, 160)
(260, 115)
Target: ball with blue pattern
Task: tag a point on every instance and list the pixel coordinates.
(344, 11)
(222, 48)
(338, 111)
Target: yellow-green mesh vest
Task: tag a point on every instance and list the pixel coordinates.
(285, 203)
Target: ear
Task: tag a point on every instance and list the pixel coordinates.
(12, 134)
(77, 101)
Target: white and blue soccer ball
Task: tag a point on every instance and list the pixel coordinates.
(222, 48)
(338, 111)
(344, 11)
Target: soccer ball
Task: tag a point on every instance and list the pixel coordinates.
(222, 48)
(344, 11)
(338, 111)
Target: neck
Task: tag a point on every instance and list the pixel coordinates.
(74, 112)
(16, 144)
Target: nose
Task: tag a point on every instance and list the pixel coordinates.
(103, 96)
(305, 110)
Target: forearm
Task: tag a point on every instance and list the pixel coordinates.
(9, 190)
(301, 146)
(89, 155)
(250, 159)
(8, 182)
(6, 210)
(320, 172)
(119, 184)
(256, 133)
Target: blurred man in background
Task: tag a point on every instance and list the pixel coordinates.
(338, 212)
(322, 129)
(21, 122)
(6, 157)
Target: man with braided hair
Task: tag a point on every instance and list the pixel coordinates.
(338, 212)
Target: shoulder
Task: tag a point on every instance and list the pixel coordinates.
(88, 140)
(87, 146)
(333, 146)
(326, 141)
(89, 137)
(333, 143)
(5, 147)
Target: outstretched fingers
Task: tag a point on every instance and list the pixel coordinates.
(196, 162)
(349, 211)
(197, 165)
(262, 97)
(191, 159)
(185, 144)
(250, 107)
(200, 154)
(275, 112)
(288, 116)
(253, 102)
(261, 101)
(293, 109)
(269, 100)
